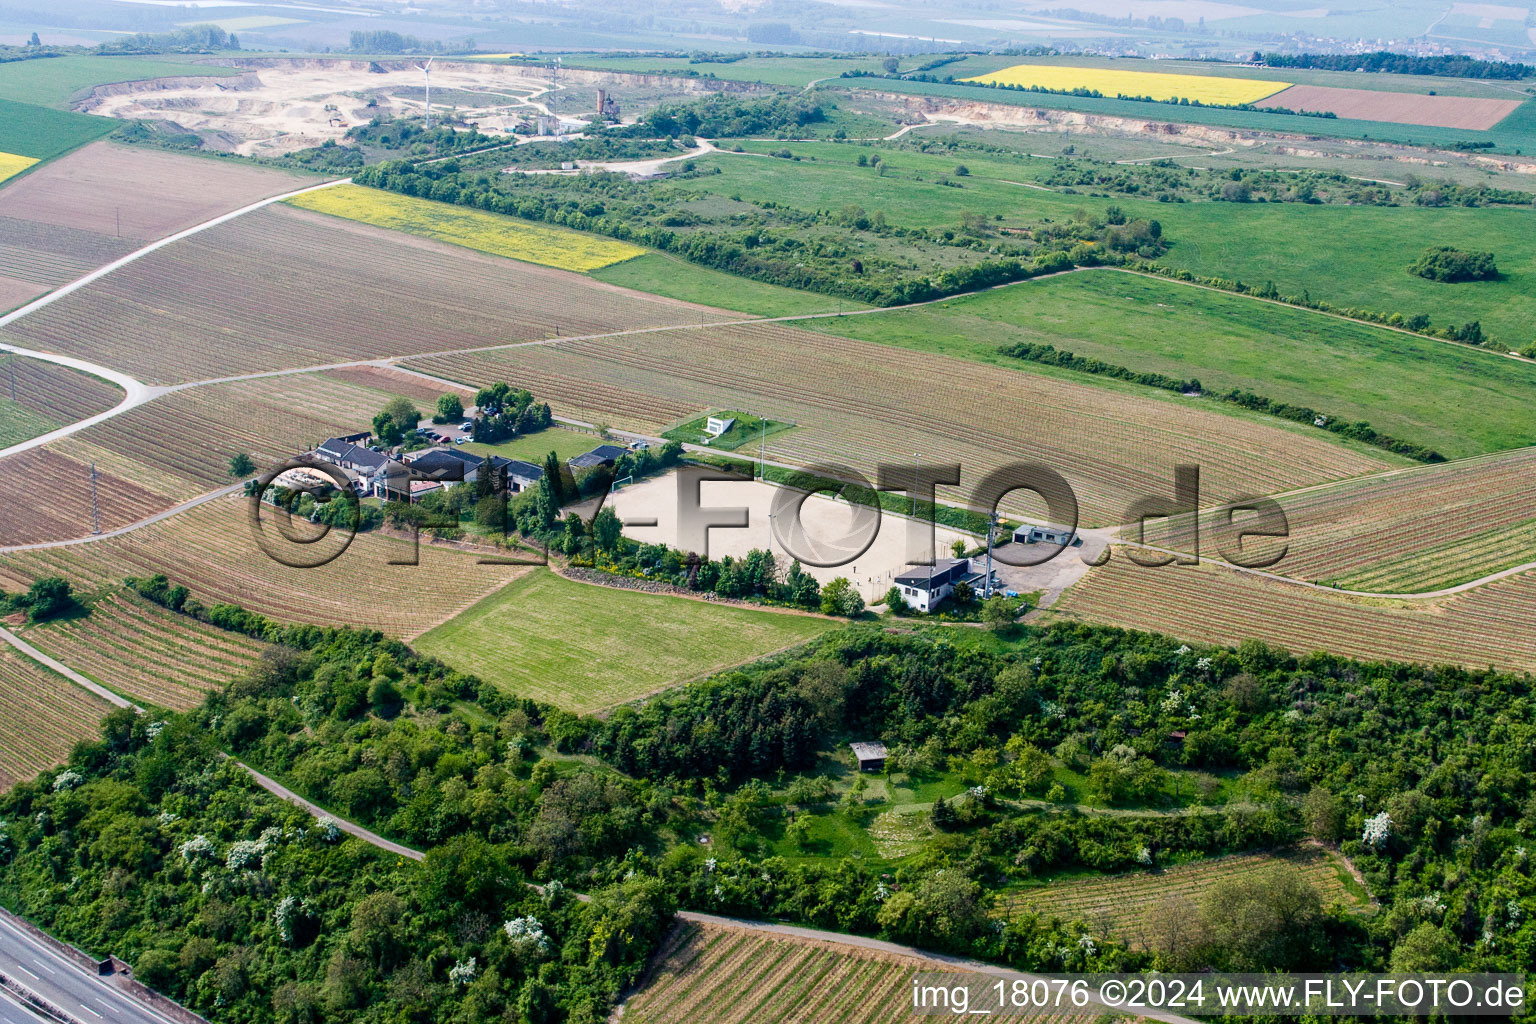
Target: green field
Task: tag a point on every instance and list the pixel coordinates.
(585, 647)
(796, 72)
(1365, 258)
(17, 423)
(1517, 131)
(43, 133)
(675, 279)
(55, 81)
(1458, 400)
(534, 447)
(1364, 263)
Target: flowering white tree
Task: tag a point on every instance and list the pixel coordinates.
(1377, 831)
(462, 972)
(196, 848)
(67, 779)
(527, 933)
(288, 909)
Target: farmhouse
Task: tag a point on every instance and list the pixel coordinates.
(924, 586)
(871, 756)
(442, 466)
(602, 455)
(371, 468)
(520, 475)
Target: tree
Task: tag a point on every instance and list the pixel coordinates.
(34, 41)
(398, 418)
(241, 464)
(1323, 813)
(964, 593)
(1425, 949)
(996, 613)
(801, 587)
(889, 65)
(607, 528)
(895, 602)
(1268, 921)
(552, 478)
(798, 831)
(957, 548)
(48, 597)
(840, 597)
(449, 407)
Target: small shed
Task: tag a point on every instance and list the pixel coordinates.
(871, 756)
(714, 426)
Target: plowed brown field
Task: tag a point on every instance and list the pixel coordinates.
(1471, 112)
(283, 288)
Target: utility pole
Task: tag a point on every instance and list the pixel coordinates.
(991, 527)
(95, 504)
(762, 451)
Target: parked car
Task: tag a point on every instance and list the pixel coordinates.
(461, 440)
(467, 425)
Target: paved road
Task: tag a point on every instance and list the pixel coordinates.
(82, 994)
(12, 1012)
(65, 671)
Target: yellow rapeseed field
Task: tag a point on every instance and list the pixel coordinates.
(1204, 88)
(11, 164)
(471, 228)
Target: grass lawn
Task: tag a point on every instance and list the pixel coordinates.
(534, 447)
(585, 648)
(1458, 400)
(42, 133)
(663, 275)
(745, 430)
(54, 81)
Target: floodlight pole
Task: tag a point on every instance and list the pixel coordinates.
(762, 450)
(916, 470)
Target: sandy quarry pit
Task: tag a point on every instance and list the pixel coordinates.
(279, 105)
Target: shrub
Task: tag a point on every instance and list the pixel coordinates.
(1448, 264)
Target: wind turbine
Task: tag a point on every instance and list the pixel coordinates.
(426, 71)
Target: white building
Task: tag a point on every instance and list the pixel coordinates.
(925, 586)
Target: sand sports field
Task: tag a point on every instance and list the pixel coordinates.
(1469, 112)
(825, 521)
